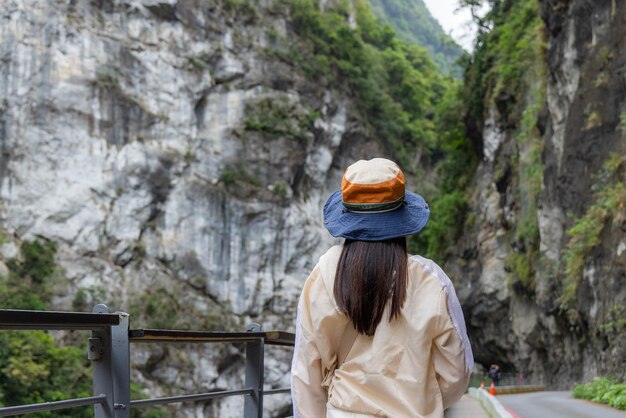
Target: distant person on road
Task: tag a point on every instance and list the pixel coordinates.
(379, 333)
(494, 374)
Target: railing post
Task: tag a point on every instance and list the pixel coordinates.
(100, 353)
(120, 362)
(253, 404)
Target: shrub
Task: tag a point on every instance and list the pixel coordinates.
(278, 118)
(521, 268)
(603, 390)
(239, 175)
(28, 285)
(34, 367)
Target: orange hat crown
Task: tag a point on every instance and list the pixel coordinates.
(373, 186)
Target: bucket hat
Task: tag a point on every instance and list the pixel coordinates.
(373, 204)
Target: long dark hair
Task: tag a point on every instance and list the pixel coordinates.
(369, 274)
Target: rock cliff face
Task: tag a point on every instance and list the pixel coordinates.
(553, 306)
(149, 140)
(133, 134)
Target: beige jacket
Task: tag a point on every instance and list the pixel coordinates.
(415, 366)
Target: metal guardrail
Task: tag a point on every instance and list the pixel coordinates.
(109, 350)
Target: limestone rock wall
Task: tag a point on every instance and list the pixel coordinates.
(132, 134)
(525, 326)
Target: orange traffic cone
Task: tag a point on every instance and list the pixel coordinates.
(492, 389)
(482, 385)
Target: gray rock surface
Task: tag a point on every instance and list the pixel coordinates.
(524, 326)
(125, 137)
(131, 135)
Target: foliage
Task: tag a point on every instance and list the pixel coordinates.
(510, 42)
(157, 308)
(85, 299)
(107, 80)
(110, 81)
(242, 8)
(396, 85)
(37, 261)
(28, 285)
(279, 118)
(584, 235)
(238, 175)
(162, 308)
(454, 168)
(614, 323)
(414, 24)
(518, 32)
(443, 228)
(520, 264)
(603, 390)
(281, 189)
(476, 378)
(35, 368)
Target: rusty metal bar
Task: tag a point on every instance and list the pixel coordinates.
(189, 398)
(178, 336)
(48, 320)
(51, 406)
(276, 391)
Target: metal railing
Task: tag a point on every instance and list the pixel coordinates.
(109, 350)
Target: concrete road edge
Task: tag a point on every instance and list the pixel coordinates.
(490, 404)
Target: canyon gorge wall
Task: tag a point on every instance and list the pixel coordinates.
(543, 252)
(178, 154)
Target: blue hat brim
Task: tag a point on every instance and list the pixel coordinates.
(408, 219)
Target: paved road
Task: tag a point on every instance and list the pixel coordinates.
(466, 408)
(555, 405)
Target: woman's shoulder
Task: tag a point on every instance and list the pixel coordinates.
(328, 261)
(321, 280)
(428, 272)
(332, 252)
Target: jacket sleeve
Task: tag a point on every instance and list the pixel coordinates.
(308, 396)
(452, 356)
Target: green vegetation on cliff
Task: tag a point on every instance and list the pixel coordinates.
(508, 60)
(405, 102)
(607, 210)
(396, 85)
(414, 24)
(507, 72)
(454, 165)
